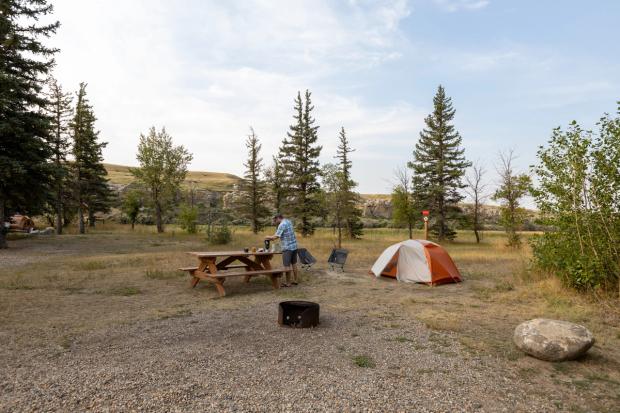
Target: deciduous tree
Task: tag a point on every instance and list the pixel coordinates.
(476, 190)
(403, 205)
(512, 188)
(163, 168)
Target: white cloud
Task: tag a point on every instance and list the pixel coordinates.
(209, 70)
(458, 5)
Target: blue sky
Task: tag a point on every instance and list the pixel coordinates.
(207, 70)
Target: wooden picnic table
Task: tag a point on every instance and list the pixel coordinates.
(216, 266)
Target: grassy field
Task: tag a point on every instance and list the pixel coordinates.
(55, 290)
(214, 181)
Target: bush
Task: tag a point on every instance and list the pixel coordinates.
(188, 218)
(579, 183)
(220, 235)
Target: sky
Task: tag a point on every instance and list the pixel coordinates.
(208, 70)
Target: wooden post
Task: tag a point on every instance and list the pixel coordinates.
(425, 214)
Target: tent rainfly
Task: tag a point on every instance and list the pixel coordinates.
(417, 260)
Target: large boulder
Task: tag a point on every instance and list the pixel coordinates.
(553, 340)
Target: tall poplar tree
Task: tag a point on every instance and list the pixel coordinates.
(351, 213)
(163, 167)
(60, 113)
(438, 168)
(299, 155)
(91, 189)
(25, 61)
(253, 189)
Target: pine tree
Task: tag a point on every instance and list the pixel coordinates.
(299, 157)
(253, 188)
(274, 177)
(25, 173)
(60, 113)
(351, 213)
(438, 168)
(89, 174)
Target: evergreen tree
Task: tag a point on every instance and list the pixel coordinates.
(438, 168)
(299, 155)
(274, 177)
(162, 169)
(253, 189)
(91, 188)
(351, 213)
(60, 113)
(25, 172)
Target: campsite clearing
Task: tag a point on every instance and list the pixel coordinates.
(110, 323)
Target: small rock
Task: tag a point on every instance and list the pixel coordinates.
(553, 340)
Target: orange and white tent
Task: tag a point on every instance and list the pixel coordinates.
(417, 260)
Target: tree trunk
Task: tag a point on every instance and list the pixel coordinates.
(476, 223)
(410, 230)
(3, 230)
(81, 227)
(158, 219)
(59, 213)
(91, 218)
(339, 224)
(132, 224)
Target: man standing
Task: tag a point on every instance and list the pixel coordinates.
(286, 234)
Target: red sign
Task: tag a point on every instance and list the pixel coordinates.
(425, 213)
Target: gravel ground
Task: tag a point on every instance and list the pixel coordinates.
(241, 360)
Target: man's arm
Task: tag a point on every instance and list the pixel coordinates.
(277, 235)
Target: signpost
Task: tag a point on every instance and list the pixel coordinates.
(425, 213)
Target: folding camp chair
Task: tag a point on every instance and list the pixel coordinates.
(337, 258)
(305, 258)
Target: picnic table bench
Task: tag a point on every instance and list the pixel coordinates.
(216, 272)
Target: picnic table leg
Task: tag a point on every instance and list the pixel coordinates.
(195, 280)
(218, 282)
(219, 285)
(275, 280)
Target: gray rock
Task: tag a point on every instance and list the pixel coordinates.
(553, 340)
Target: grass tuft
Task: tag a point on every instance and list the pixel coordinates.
(364, 361)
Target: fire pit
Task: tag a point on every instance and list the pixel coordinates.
(302, 314)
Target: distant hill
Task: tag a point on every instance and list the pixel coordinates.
(212, 181)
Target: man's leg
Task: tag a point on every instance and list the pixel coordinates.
(294, 265)
(295, 274)
(286, 262)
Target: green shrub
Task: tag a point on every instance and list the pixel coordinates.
(577, 195)
(364, 361)
(220, 235)
(188, 218)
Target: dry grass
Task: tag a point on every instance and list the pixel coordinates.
(56, 288)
